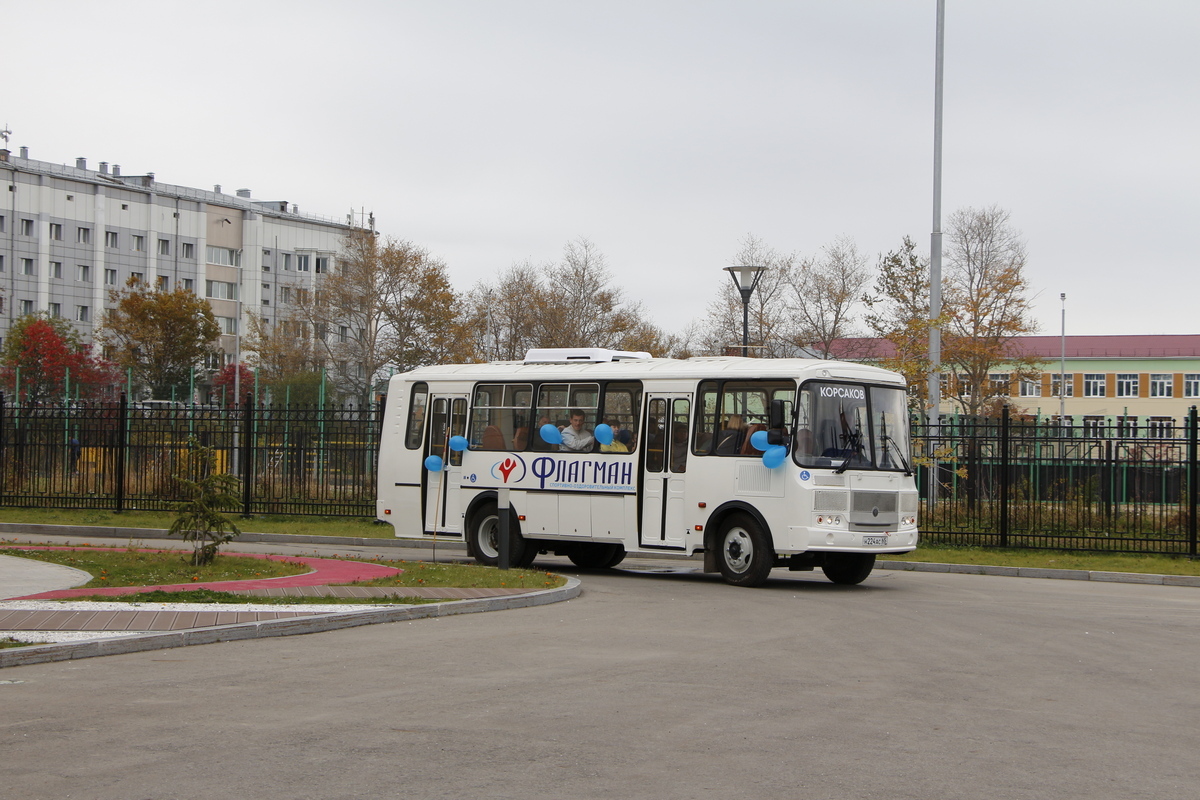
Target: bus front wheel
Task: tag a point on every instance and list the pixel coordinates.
(848, 568)
(745, 556)
(484, 531)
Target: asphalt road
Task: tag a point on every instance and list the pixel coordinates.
(660, 685)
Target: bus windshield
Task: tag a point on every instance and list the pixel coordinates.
(852, 426)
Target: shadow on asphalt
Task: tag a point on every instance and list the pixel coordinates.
(814, 581)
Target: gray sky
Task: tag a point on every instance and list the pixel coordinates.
(664, 132)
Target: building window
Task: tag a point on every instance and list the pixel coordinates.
(1, 223)
(302, 263)
(56, 231)
(1031, 388)
(136, 277)
(1093, 427)
(287, 262)
(189, 285)
(110, 238)
(83, 313)
(998, 383)
(1162, 385)
(221, 290)
(83, 235)
(164, 283)
(83, 272)
(322, 264)
(1127, 384)
(1056, 382)
(27, 267)
(139, 243)
(343, 333)
(187, 250)
(285, 294)
(1160, 428)
(1093, 384)
(164, 247)
(1, 263)
(1191, 384)
(110, 277)
(1127, 427)
(55, 310)
(224, 256)
(56, 269)
(26, 307)
(27, 227)
(228, 324)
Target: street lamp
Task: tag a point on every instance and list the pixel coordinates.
(1062, 366)
(745, 278)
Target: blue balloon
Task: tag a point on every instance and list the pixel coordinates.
(758, 440)
(458, 443)
(775, 456)
(433, 463)
(550, 434)
(604, 434)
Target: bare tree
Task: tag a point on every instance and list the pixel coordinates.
(987, 296)
(826, 293)
(772, 328)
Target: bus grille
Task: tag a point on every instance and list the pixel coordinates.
(829, 501)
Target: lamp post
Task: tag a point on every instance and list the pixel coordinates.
(745, 278)
(1062, 366)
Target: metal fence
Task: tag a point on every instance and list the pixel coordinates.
(115, 456)
(1014, 483)
(1000, 481)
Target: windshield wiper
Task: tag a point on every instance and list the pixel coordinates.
(887, 440)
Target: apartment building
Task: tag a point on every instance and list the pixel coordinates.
(69, 235)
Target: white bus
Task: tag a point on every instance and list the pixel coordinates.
(757, 463)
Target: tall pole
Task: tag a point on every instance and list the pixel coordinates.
(935, 252)
(1062, 366)
(745, 323)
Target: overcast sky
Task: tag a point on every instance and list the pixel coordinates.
(492, 132)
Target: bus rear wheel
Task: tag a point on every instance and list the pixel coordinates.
(484, 539)
(745, 554)
(848, 568)
(596, 556)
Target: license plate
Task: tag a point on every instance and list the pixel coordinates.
(874, 540)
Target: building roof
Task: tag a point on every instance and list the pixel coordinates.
(1051, 347)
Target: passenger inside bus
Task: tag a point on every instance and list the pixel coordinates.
(729, 440)
(620, 441)
(576, 438)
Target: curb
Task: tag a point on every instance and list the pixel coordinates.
(69, 651)
(1039, 572)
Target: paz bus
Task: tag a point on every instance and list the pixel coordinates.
(756, 463)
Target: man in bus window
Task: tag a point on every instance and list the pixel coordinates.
(575, 437)
(619, 444)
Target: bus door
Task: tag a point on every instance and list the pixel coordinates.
(447, 417)
(663, 471)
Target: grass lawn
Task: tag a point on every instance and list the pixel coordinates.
(132, 568)
(1052, 559)
(267, 523)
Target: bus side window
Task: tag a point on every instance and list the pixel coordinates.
(706, 419)
(416, 415)
(621, 403)
(679, 435)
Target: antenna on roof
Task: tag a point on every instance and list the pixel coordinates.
(4, 134)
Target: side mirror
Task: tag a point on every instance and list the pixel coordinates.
(776, 420)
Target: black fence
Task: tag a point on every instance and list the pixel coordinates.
(1014, 483)
(122, 457)
(1000, 481)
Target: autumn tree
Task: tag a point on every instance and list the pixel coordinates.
(568, 303)
(898, 312)
(383, 306)
(45, 358)
(161, 336)
(285, 356)
(233, 382)
(988, 303)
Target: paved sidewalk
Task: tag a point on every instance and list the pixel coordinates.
(35, 606)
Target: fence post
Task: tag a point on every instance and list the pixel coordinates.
(1004, 477)
(247, 453)
(122, 442)
(1193, 482)
(3, 459)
